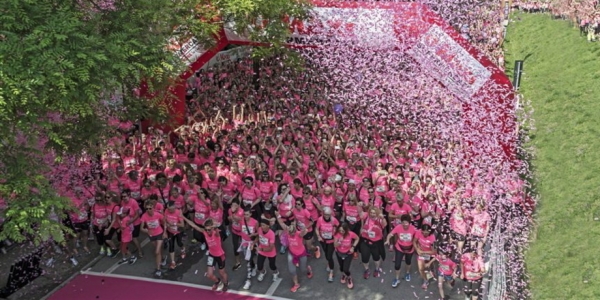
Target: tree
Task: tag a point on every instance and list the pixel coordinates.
(64, 61)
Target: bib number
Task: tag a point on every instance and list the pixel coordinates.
(210, 261)
(371, 234)
(327, 235)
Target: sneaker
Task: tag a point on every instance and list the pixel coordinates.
(254, 272)
(355, 255)
(377, 273)
(183, 253)
(102, 251)
(203, 247)
(330, 277)
(216, 285)
(225, 287)
(395, 283)
(366, 274)
(350, 282)
(282, 250)
(328, 269)
(261, 276)
(113, 252)
(236, 267)
(343, 280)
(158, 273)
(164, 261)
(407, 277)
(173, 265)
(247, 285)
(309, 272)
(123, 260)
(194, 241)
(74, 261)
(275, 276)
(132, 259)
(317, 252)
(295, 288)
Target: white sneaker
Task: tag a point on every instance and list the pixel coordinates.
(203, 246)
(50, 262)
(247, 285)
(164, 262)
(207, 253)
(74, 261)
(261, 276)
(254, 272)
(249, 273)
(275, 276)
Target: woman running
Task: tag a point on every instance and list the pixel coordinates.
(345, 243)
(372, 245)
(153, 224)
(423, 243)
(174, 223)
(472, 269)
(266, 250)
(405, 236)
(446, 271)
(297, 254)
(325, 229)
(216, 254)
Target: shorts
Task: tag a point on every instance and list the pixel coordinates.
(309, 235)
(425, 258)
(477, 239)
(446, 277)
(136, 230)
(110, 234)
(457, 236)
(213, 261)
(156, 237)
(80, 227)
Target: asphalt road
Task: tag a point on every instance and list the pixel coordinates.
(193, 269)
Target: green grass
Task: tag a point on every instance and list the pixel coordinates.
(562, 80)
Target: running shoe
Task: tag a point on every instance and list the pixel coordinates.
(215, 286)
(395, 283)
(236, 267)
(330, 277)
(261, 276)
(366, 274)
(377, 273)
(425, 284)
(102, 251)
(73, 261)
(164, 261)
(350, 283)
(123, 260)
(309, 272)
(158, 273)
(247, 285)
(112, 252)
(275, 276)
(173, 265)
(295, 288)
(132, 259)
(194, 241)
(317, 252)
(254, 272)
(225, 287)
(343, 280)
(282, 250)
(407, 277)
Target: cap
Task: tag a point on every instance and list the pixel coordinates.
(170, 203)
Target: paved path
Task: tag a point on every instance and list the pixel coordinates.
(193, 268)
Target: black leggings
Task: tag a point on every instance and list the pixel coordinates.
(172, 239)
(344, 260)
(328, 250)
(371, 249)
(261, 263)
(472, 288)
(398, 261)
(198, 236)
(99, 233)
(236, 240)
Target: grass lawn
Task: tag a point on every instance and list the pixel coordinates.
(562, 80)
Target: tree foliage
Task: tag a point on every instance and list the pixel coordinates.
(64, 60)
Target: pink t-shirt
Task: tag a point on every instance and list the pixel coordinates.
(153, 223)
(213, 242)
(345, 243)
(303, 219)
(372, 229)
(426, 243)
(172, 220)
(200, 211)
(458, 223)
(265, 240)
(481, 222)
(351, 212)
(126, 230)
(102, 214)
(404, 243)
(296, 244)
(327, 229)
(472, 267)
(133, 207)
(248, 228)
(446, 266)
(398, 210)
(236, 226)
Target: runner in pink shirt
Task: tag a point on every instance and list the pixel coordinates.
(345, 243)
(135, 212)
(266, 250)
(249, 233)
(216, 254)
(405, 236)
(472, 271)
(297, 254)
(236, 216)
(372, 244)
(446, 271)
(423, 243)
(325, 230)
(480, 226)
(174, 224)
(458, 225)
(126, 229)
(153, 224)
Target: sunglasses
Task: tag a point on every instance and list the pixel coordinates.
(149, 208)
(247, 181)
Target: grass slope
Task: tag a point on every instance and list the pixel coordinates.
(562, 81)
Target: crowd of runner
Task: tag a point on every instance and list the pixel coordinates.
(276, 175)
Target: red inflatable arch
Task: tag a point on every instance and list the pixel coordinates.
(421, 34)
